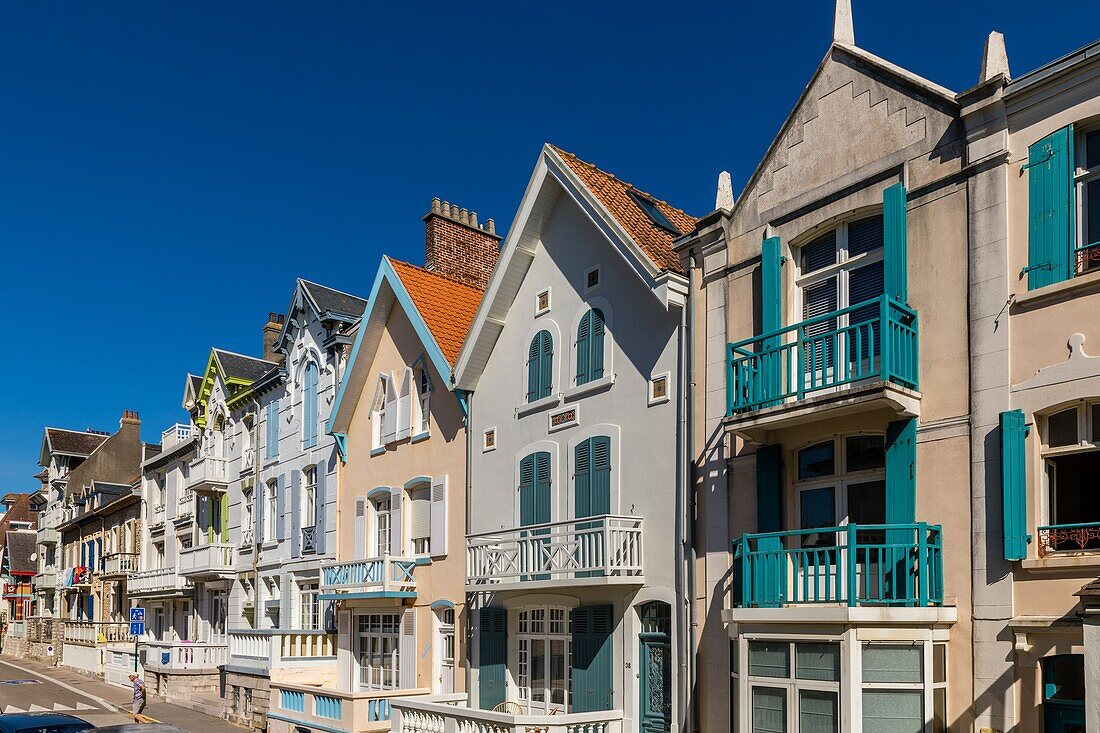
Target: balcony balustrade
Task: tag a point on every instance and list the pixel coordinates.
(274, 648)
(46, 580)
(92, 633)
(185, 505)
(878, 343)
(120, 563)
(184, 655)
(316, 708)
(376, 575)
(177, 434)
(158, 515)
(152, 582)
(1061, 539)
(204, 560)
(853, 565)
(208, 474)
(451, 713)
(309, 540)
(49, 535)
(594, 550)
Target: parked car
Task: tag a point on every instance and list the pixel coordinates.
(43, 723)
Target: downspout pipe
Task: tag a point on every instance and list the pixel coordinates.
(685, 499)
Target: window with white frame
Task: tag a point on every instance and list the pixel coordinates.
(377, 643)
(421, 405)
(543, 648)
(271, 509)
(842, 481)
(1087, 182)
(309, 496)
(379, 417)
(840, 269)
(420, 519)
(1070, 444)
(791, 685)
(445, 623)
(309, 606)
(381, 526)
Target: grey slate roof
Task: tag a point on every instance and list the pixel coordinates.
(20, 549)
(334, 301)
(244, 367)
(73, 441)
(196, 382)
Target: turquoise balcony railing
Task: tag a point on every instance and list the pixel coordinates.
(853, 565)
(831, 350)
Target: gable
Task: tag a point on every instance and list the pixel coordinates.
(858, 117)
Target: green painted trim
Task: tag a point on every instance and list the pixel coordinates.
(442, 603)
(422, 561)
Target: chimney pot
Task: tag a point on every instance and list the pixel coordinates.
(473, 219)
(491, 226)
(446, 210)
(435, 205)
(464, 216)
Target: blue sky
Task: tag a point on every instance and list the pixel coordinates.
(168, 169)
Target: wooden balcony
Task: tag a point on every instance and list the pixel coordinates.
(162, 581)
(208, 474)
(377, 577)
(204, 561)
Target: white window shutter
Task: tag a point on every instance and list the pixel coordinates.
(360, 552)
(397, 545)
(404, 406)
(389, 424)
(408, 658)
(439, 516)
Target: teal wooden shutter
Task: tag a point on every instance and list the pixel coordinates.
(771, 319)
(582, 479)
(1014, 484)
(319, 521)
(533, 369)
(1050, 209)
(493, 656)
(591, 680)
(901, 472)
(540, 366)
(895, 243)
(600, 494)
(768, 568)
(901, 582)
(590, 335)
(527, 490)
(592, 493)
(542, 487)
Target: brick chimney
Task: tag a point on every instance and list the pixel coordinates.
(456, 245)
(129, 417)
(271, 330)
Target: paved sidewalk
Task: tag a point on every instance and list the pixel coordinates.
(157, 709)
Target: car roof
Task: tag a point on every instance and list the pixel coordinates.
(138, 728)
(17, 721)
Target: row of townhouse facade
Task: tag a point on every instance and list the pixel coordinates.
(823, 459)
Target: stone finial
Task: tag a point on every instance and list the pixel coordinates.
(843, 29)
(995, 58)
(723, 199)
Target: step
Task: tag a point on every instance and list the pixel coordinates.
(206, 704)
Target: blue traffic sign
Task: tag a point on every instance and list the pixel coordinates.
(137, 628)
(137, 615)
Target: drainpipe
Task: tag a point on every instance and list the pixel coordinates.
(685, 499)
(256, 540)
(469, 509)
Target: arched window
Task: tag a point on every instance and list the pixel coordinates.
(590, 332)
(540, 366)
(309, 407)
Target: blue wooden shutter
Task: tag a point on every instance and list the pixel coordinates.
(280, 508)
(895, 243)
(542, 487)
(600, 494)
(769, 516)
(584, 345)
(591, 679)
(295, 512)
(319, 496)
(309, 407)
(493, 657)
(1050, 209)
(271, 449)
(595, 354)
(1014, 484)
(901, 472)
(527, 490)
(91, 607)
(582, 478)
(259, 501)
(546, 363)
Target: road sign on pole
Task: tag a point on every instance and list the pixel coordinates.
(137, 628)
(137, 614)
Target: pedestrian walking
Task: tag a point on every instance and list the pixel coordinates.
(140, 696)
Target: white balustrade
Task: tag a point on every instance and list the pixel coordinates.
(178, 433)
(152, 581)
(158, 514)
(91, 633)
(450, 713)
(208, 472)
(120, 563)
(184, 655)
(207, 559)
(606, 548)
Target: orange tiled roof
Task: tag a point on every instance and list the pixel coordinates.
(615, 197)
(446, 305)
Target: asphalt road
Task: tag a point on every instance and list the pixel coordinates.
(23, 689)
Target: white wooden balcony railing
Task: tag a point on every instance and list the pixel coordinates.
(314, 707)
(91, 633)
(208, 474)
(158, 514)
(185, 504)
(120, 563)
(450, 714)
(184, 655)
(597, 550)
(388, 573)
(178, 433)
(161, 580)
(49, 535)
(282, 648)
(211, 559)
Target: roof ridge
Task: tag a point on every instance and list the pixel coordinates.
(612, 176)
(78, 432)
(243, 356)
(326, 287)
(436, 273)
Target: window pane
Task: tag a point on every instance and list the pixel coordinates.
(817, 662)
(1096, 423)
(818, 712)
(769, 710)
(816, 461)
(1064, 677)
(891, 711)
(865, 283)
(1062, 428)
(886, 663)
(867, 505)
(939, 663)
(1090, 258)
(865, 452)
(538, 670)
(817, 508)
(769, 659)
(939, 710)
(819, 253)
(865, 235)
(1092, 149)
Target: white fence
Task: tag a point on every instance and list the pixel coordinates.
(449, 714)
